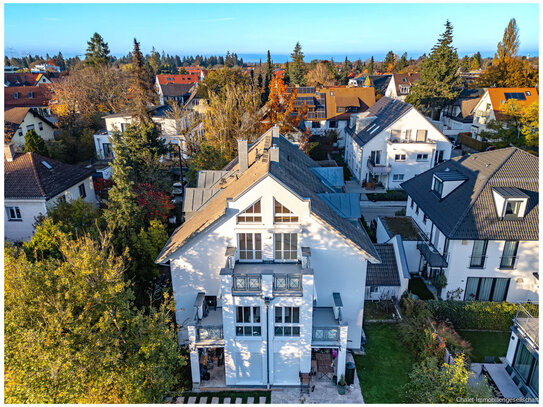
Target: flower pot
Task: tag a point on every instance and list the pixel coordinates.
(341, 389)
(334, 379)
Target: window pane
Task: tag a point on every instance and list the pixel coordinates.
(241, 239)
(249, 241)
(278, 315)
(247, 331)
(278, 331)
(296, 315)
(484, 289)
(257, 331)
(239, 314)
(500, 288)
(295, 331)
(523, 361)
(287, 331)
(246, 314)
(239, 330)
(471, 288)
(258, 241)
(256, 315)
(288, 315)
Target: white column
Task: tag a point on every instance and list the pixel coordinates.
(342, 354)
(306, 319)
(194, 358)
(229, 330)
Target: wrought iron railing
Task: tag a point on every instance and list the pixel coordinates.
(247, 282)
(287, 282)
(210, 333)
(477, 262)
(508, 262)
(325, 334)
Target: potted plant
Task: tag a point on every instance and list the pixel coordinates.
(334, 380)
(341, 385)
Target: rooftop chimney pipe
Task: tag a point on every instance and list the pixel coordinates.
(9, 152)
(243, 155)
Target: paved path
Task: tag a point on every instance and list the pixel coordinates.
(226, 400)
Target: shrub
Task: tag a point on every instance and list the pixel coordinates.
(391, 195)
(316, 151)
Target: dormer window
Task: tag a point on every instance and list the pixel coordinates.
(447, 181)
(438, 186)
(253, 214)
(510, 202)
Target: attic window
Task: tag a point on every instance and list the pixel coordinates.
(47, 165)
(510, 203)
(404, 80)
(438, 186)
(253, 214)
(528, 93)
(512, 208)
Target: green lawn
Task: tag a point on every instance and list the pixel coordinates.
(384, 370)
(418, 287)
(232, 394)
(486, 343)
(378, 310)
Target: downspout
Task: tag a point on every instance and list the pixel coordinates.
(267, 302)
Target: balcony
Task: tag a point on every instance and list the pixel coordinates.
(325, 327)
(527, 326)
(378, 169)
(247, 283)
(432, 256)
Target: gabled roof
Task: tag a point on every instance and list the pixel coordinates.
(469, 212)
(498, 96)
(21, 79)
(27, 177)
(163, 79)
(293, 171)
(15, 116)
(386, 111)
(176, 89)
(405, 79)
(385, 273)
(41, 95)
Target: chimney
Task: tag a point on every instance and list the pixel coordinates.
(274, 154)
(9, 152)
(243, 155)
(275, 131)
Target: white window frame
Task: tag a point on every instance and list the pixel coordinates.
(254, 252)
(293, 328)
(398, 177)
(250, 327)
(421, 157)
(400, 157)
(286, 255)
(82, 191)
(14, 213)
(283, 217)
(257, 216)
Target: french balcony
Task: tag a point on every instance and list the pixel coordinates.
(508, 262)
(378, 169)
(477, 262)
(432, 256)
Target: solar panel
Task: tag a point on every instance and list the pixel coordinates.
(515, 95)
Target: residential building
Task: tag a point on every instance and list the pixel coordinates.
(378, 82)
(25, 79)
(400, 85)
(392, 142)
(265, 273)
(522, 359)
(479, 215)
(48, 66)
(330, 108)
(490, 105)
(19, 120)
(458, 116)
(36, 97)
(32, 184)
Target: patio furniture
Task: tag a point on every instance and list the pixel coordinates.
(324, 365)
(489, 359)
(305, 382)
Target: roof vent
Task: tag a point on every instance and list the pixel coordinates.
(47, 165)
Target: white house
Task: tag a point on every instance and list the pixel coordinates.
(32, 184)
(265, 274)
(392, 142)
(522, 359)
(19, 120)
(400, 85)
(479, 217)
(457, 117)
(490, 105)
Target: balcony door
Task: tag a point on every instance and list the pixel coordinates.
(486, 289)
(478, 254)
(376, 157)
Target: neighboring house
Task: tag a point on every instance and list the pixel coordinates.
(19, 120)
(37, 97)
(490, 108)
(265, 273)
(179, 79)
(480, 219)
(522, 359)
(400, 85)
(32, 184)
(378, 82)
(120, 121)
(195, 70)
(392, 142)
(178, 92)
(49, 66)
(458, 117)
(389, 279)
(11, 69)
(330, 108)
(25, 79)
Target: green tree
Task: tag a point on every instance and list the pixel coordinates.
(268, 78)
(142, 95)
(217, 80)
(35, 144)
(389, 63)
(440, 81)
(72, 334)
(208, 158)
(297, 75)
(97, 51)
(286, 77)
(434, 382)
(402, 62)
(370, 66)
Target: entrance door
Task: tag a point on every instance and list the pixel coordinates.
(286, 368)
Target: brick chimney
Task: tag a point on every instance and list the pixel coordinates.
(9, 152)
(243, 155)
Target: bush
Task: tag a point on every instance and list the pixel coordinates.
(391, 195)
(371, 233)
(477, 314)
(316, 151)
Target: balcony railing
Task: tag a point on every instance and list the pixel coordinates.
(325, 334)
(287, 282)
(247, 283)
(432, 256)
(528, 325)
(477, 262)
(508, 262)
(206, 333)
(378, 168)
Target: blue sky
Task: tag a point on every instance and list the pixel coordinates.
(322, 29)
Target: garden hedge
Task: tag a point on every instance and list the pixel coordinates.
(478, 314)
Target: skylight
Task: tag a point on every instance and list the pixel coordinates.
(47, 165)
(373, 131)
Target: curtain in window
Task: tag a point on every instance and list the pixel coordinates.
(478, 253)
(500, 289)
(523, 361)
(509, 253)
(485, 288)
(471, 288)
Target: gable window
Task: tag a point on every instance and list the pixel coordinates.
(82, 192)
(509, 256)
(438, 186)
(397, 177)
(30, 127)
(253, 214)
(340, 109)
(248, 321)
(287, 321)
(30, 95)
(478, 254)
(422, 157)
(14, 213)
(400, 157)
(421, 136)
(283, 214)
(286, 246)
(486, 289)
(250, 246)
(20, 133)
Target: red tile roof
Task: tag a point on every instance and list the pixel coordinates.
(41, 95)
(179, 79)
(21, 79)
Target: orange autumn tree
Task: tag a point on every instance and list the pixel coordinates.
(282, 106)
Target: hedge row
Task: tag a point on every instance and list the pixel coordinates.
(478, 314)
(390, 195)
(467, 140)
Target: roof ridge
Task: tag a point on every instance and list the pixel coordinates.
(481, 189)
(35, 172)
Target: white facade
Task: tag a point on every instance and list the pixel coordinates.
(22, 228)
(334, 266)
(522, 284)
(483, 113)
(401, 157)
(36, 123)
(322, 126)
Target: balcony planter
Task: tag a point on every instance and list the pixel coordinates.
(341, 385)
